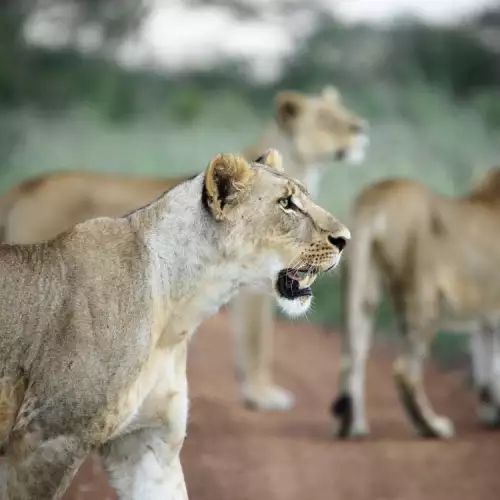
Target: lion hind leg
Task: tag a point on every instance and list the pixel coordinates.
(39, 470)
(408, 372)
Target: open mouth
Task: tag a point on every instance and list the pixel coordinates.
(295, 283)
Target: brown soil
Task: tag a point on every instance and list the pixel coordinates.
(232, 453)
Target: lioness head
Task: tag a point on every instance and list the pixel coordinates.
(320, 127)
(270, 224)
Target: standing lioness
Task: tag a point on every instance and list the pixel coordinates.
(95, 323)
(309, 130)
(438, 258)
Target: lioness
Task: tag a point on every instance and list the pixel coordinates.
(434, 257)
(96, 322)
(309, 129)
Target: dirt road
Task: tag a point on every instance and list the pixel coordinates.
(235, 454)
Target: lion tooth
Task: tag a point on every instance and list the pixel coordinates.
(308, 281)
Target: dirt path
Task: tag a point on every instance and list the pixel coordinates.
(234, 454)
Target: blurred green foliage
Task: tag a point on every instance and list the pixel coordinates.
(456, 60)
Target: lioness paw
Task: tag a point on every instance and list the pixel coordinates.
(347, 424)
(444, 427)
(268, 398)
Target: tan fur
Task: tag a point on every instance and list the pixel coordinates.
(309, 130)
(96, 323)
(438, 259)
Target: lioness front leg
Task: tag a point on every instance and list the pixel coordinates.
(349, 407)
(35, 469)
(409, 380)
(252, 317)
(145, 465)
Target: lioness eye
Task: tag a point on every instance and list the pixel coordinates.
(286, 203)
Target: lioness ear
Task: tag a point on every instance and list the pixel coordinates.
(271, 158)
(331, 93)
(289, 105)
(227, 179)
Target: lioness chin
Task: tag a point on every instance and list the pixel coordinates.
(438, 260)
(95, 323)
(311, 131)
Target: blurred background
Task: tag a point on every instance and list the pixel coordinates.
(156, 88)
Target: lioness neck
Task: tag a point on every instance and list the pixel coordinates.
(275, 137)
(191, 275)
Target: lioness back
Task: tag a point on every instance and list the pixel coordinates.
(40, 209)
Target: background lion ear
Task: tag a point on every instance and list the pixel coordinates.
(289, 105)
(227, 179)
(331, 93)
(271, 158)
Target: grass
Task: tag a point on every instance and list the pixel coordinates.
(421, 136)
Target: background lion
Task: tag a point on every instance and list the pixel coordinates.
(438, 259)
(96, 322)
(309, 130)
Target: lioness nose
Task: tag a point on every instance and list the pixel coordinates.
(340, 239)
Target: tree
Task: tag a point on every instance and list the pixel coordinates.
(259, 9)
(22, 65)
